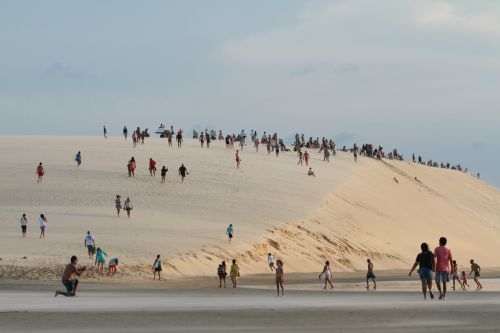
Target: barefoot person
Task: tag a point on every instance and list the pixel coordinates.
(426, 262)
(43, 224)
(24, 225)
(157, 268)
(443, 263)
(280, 278)
(238, 159)
(112, 266)
(163, 172)
(152, 167)
(128, 206)
(183, 172)
(270, 261)
(100, 259)
(454, 274)
(229, 232)
(68, 279)
(221, 272)
(89, 243)
(118, 204)
(327, 275)
(78, 158)
(476, 269)
(40, 171)
(235, 273)
(370, 275)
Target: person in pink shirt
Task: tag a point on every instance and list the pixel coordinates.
(443, 264)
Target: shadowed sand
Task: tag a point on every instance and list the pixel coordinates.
(194, 306)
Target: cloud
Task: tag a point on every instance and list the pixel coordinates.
(445, 15)
(58, 69)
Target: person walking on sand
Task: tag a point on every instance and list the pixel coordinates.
(327, 275)
(370, 275)
(163, 172)
(427, 264)
(68, 279)
(235, 273)
(157, 267)
(131, 167)
(152, 167)
(476, 269)
(229, 232)
(221, 272)
(128, 206)
(270, 261)
(464, 281)
(454, 274)
(306, 158)
(43, 225)
(301, 156)
(78, 158)
(443, 263)
(100, 259)
(238, 159)
(183, 172)
(118, 204)
(40, 172)
(112, 266)
(125, 132)
(24, 225)
(105, 132)
(89, 243)
(280, 278)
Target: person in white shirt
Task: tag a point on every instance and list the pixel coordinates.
(43, 224)
(24, 224)
(270, 261)
(89, 242)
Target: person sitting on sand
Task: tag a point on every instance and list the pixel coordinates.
(476, 269)
(221, 272)
(326, 273)
(311, 172)
(112, 266)
(280, 278)
(427, 265)
(40, 171)
(370, 275)
(235, 273)
(68, 279)
(100, 259)
(157, 267)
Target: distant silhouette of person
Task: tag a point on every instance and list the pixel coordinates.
(78, 159)
(40, 172)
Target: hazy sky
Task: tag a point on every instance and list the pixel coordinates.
(422, 76)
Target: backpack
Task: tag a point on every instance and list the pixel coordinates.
(221, 270)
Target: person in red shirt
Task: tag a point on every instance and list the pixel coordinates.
(443, 264)
(152, 167)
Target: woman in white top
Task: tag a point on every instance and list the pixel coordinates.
(128, 206)
(24, 224)
(326, 274)
(43, 224)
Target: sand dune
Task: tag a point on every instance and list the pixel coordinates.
(349, 212)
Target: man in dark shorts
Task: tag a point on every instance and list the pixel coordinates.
(476, 269)
(68, 279)
(89, 243)
(370, 275)
(229, 232)
(183, 172)
(427, 263)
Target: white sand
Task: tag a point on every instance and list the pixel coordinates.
(349, 212)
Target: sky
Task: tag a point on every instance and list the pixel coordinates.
(421, 76)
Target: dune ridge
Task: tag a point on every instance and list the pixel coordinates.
(349, 212)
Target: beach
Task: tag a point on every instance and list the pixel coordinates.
(200, 306)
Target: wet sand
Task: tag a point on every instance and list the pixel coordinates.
(199, 306)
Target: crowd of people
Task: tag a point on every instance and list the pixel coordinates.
(440, 261)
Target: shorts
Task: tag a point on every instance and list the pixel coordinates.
(70, 286)
(476, 275)
(42, 228)
(425, 274)
(90, 248)
(230, 235)
(271, 264)
(23, 228)
(442, 277)
(370, 275)
(158, 269)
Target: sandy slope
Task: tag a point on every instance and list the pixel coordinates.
(348, 212)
